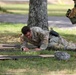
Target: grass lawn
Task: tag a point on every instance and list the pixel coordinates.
(52, 9)
(9, 33)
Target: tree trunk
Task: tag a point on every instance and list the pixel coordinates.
(38, 14)
(74, 3)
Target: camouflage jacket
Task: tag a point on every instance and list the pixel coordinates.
(39, 38)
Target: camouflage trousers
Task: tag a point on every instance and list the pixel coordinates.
(61, 43)
(56, 43)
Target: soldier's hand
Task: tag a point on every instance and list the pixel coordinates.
(25, 49)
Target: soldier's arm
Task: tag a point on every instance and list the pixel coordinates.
(24, 43)
(44, 36)
(44, 43)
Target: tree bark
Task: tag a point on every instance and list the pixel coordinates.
(74, 3)
(38, 14)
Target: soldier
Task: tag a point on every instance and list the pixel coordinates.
(73, 11)
(42, 39)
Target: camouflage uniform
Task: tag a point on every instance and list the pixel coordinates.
(42, 39)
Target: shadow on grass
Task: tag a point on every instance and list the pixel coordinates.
(4, 10)
(9, 38)
(69, 37)
(16, 10)
(39, 66)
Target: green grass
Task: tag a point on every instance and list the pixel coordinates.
(9, 33)
(9, 27)
(58, 9)
(52, 9)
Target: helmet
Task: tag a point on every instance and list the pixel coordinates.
(62, 55)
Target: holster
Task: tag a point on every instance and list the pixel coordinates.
(54, 33)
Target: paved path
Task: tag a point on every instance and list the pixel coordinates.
(60, 22)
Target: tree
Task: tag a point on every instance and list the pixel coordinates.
(38, 14)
